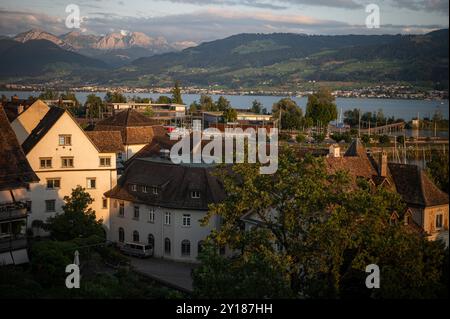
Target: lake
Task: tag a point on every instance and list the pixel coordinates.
(405, 109)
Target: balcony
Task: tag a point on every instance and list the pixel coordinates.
(13, 210)
(13, 243)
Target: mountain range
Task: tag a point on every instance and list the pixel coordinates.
(115, 49)
(250, 61)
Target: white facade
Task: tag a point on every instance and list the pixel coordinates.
(176, 231)
(28, 120)
(67, 166)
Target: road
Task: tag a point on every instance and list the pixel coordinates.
(174, 274)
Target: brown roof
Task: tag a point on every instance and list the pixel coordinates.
(107, 141)
(356, 149)
(416, 188)
(42, 128)
(135, 127)
(127, 118)
(355, 161)
(175, 184)
(15, 171)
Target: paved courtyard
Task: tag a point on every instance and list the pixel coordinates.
(175, 274)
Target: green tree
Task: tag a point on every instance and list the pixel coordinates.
(75, 109)
(115, 97)
(222, 104)
(194, 107)
(256, 107)
(49, 95)
(291, 114)
(326, 230)
(176, 94)
(229, 115)
(437, 169)
(163, 100)
(207, 103)
(77, 220)
(49, 260)
(94, 106)
(321, 107)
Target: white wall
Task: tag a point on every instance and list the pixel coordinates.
(176, 232)
(86, 164)
(28, 120)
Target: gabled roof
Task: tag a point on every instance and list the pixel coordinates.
(107, 141)
(176, 182)
(47, 122)
(416, 188)
(356, 149)
(127, 118)
(15, 171)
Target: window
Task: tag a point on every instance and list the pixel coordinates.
(136, 236)
(104, 203)
(50, 206)
(155, 190)
(144, 189)
(105, 161)
(439, 221)
(200, 247)
(91, 183)
(121, 235)
(186, 220)
(195, 194)
(185, 248)
(136, 212)
(66, 162)
(65, 140)
(45, 162)
(28, 206)
(167, 246)
(53, 183)
(167, 218)
(151, 240)
(121, 209)
(151, 216)
(133, 187)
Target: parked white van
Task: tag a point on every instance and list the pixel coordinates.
(137, 250)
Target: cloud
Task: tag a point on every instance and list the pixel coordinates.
(279, 4)
(13, 22)
(440, 6)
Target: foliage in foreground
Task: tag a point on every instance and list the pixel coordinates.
(327, 230)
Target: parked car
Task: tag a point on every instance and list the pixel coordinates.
(137, 250)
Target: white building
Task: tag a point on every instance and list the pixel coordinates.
(15, 202)
(161, 203)
(63, 157)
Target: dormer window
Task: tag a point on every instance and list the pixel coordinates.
(195, 194)
(155, 190)
(133, 187)
(144, 189)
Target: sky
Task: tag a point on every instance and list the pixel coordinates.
(201, 20)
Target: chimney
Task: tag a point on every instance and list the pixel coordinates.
(334, 151)
(383, 163)
(20, 108)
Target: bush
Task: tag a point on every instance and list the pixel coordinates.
(300, 138)
(49, 260)
(384, 139)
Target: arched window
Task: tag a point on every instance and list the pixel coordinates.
(151, 240)
(167, 246)
(121, 235)
(136, 236)
(185, 248)
(200, 247)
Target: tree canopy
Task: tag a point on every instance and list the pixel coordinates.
(176, 94)
(321, 107)
(318, 232)
(78, 220)
(291, 114)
